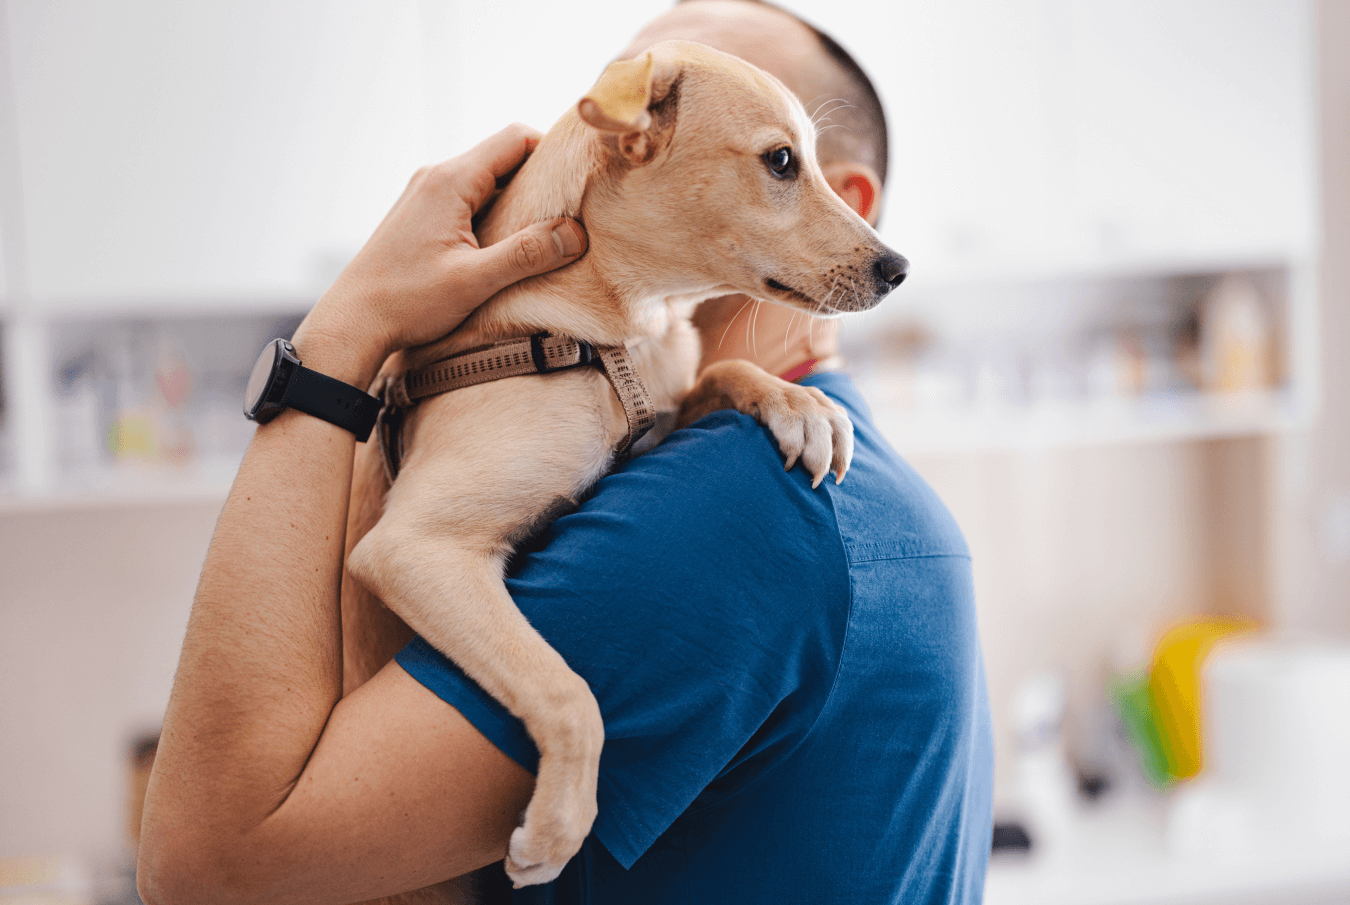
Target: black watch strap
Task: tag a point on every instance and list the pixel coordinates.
(332, 400)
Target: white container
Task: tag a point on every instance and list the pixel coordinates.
(1277, 740)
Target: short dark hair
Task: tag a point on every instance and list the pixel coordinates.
(855, 130)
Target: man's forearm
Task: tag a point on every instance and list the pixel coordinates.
(262, 660)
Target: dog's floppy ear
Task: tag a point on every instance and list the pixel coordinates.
(620, 103)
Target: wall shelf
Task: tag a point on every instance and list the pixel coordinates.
(1089, 358)
(129, 410)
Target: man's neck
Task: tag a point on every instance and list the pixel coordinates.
(778, 339)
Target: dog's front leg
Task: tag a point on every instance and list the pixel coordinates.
(449, 589)
(804, 421)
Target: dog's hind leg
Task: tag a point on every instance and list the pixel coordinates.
(450, 590)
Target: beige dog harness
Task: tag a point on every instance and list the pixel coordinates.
(542, 353)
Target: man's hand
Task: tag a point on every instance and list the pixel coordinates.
(423, 272)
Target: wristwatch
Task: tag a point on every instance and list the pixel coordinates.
(279, 382)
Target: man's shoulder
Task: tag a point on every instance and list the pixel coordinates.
(724, 472)
(884, 508)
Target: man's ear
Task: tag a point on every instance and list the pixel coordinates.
(859, 186)
(620, 102)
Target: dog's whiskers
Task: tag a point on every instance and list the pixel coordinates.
(753, 327)
(819, 105)
(820, 132)
(732, 321)
(829, 295)
(819, 117)
(788, 332)
(821, 123)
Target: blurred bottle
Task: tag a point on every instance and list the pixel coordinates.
(174, 381)
(1044, 796)
(1235, 338)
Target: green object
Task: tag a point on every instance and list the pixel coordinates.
(1134, 704)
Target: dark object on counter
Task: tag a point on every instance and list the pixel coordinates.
(1011, 839)
(1093, 785)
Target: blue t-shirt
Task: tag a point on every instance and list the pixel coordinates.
(791, 679)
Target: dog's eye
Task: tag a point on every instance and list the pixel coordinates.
(781, 162)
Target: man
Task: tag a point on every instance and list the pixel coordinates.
(790, 679)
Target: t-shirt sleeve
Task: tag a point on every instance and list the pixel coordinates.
(701, 592)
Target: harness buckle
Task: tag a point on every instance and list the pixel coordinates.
(586, 354)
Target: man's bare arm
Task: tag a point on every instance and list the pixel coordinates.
(265, 788)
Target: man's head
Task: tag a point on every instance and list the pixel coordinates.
(852, 141)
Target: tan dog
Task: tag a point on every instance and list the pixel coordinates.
(695, 175)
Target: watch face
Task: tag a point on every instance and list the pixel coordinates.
(261, 379)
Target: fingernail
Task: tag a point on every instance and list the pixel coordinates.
(567, 237)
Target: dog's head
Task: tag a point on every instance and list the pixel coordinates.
(695, 174)
(710, 180)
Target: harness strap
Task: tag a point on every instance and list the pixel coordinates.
(632, 392)
(541, 353)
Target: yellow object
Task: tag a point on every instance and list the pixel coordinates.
(1174, 686)
(133, 434)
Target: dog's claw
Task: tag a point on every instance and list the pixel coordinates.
(810, 429)
(843, 448)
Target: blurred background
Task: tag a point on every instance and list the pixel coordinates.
(1119, 359)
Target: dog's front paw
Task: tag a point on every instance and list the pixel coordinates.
(809, 426)
(806, 424)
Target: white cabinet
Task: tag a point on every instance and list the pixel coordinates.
(975, 94)
(178, 155)
(1194, 128)
(1044, 136)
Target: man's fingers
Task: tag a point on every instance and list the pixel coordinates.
(484, 168)
(536, 249)
(501, 153)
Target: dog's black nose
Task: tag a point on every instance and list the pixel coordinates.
(890, 269)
